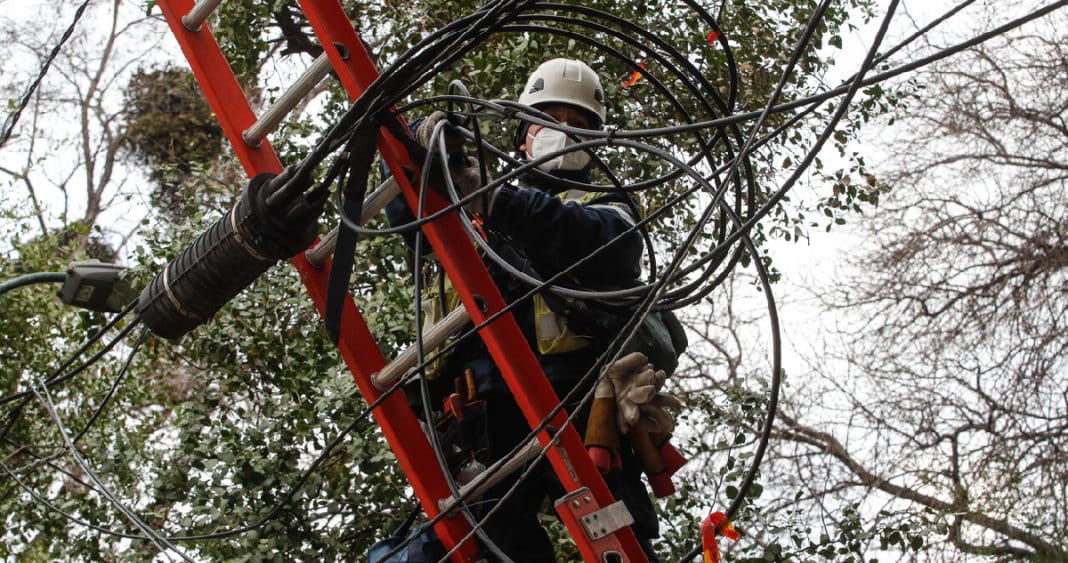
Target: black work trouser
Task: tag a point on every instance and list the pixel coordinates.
(514, 527)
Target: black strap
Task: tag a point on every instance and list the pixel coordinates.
(361, 152)
(402, 531)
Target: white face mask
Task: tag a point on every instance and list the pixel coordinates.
(548, 141)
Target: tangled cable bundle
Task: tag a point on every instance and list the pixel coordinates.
(700, 166)
(716, 166)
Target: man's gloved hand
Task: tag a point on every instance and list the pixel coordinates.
(640, 403)
(468, 180)
(654, 416)
(454, 143)
(464, 171)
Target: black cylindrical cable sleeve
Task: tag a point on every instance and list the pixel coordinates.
(227, 258)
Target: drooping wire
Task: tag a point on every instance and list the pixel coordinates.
(765, 434)
(739, 233)
(807, 103)
(13, 119)
(631, 329)
(40, 390)
(437, 142)
(58, 376)
(725, 121)
(114, 386)
(73, 441)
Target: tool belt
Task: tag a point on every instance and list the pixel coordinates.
(462, 430)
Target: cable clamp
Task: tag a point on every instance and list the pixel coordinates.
(250, 248)
(174, 298)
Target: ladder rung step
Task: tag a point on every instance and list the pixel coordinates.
(199, 14)
(371, 206)
(286, 102)
(491, 476)
(433, 337)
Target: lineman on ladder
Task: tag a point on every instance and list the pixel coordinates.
(542, 227)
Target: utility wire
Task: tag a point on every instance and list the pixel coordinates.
(632, 328)
(740, 232)
(458, 38)
(40, 390)
(13, 119)
(32, 279)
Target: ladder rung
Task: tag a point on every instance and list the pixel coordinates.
(371, 206)
(434, 336)
(275, 114)
(491, 476)
(199, 14)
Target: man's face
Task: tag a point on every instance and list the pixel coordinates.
(562, 113)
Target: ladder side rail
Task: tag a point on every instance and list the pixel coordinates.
(357, 346)
(221, 88)
(394, 416)
(509, 349)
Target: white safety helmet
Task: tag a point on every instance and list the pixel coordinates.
(566, 81)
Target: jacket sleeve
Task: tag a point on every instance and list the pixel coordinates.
(554, 235)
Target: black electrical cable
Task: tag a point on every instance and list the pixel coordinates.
(634, 323)
(51, 506)
(42, 394)
(49, 460)
(32, 279)
(635, 317)
(473, 331)
(437, 140)
(58, 376)
(843, 107)
(334, 138)
(763, 274)
(114, 387)
(740, 233)
(13, 119)
(782, 108)
(323, 455)
(100, 408)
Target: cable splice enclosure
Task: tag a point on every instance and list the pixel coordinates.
(230, 255)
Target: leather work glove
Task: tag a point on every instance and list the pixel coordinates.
(602, 432)
(464, 172)
(468, 180)
(454, 143)
(654, 416)
(639, 401)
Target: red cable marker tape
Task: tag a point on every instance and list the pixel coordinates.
(716, 523)
(634, 76)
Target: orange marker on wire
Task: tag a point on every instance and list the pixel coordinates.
(634, 76)
(716, 524)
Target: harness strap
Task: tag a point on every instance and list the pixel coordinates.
(361, 151)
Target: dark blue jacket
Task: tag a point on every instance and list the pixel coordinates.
(541, 234)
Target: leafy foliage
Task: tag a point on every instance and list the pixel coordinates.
(170, 129)
(209, 434)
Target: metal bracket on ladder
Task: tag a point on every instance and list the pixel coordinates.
(344, 53)
(580, 509)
